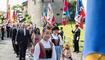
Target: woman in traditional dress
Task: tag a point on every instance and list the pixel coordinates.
(57, 40)
(45, 50)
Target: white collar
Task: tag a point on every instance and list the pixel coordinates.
(45, 41)
(54, 35)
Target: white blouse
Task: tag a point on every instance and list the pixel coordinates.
(46, 45)
(56, 37)
(66, 59)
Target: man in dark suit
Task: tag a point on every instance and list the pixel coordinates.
(14, 33)
(23, 39)
(76, 34)
(2, 32)
(8, 30)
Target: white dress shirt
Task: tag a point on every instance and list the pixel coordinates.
(46, 45)
(24, 32)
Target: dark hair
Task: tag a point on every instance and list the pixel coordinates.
(47, 27)
(35, 31)
(55, 28)
(76, 26)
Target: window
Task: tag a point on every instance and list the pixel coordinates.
(34, 1)
(42, 1)
(52, 0)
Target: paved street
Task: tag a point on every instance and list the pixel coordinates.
(6, 52)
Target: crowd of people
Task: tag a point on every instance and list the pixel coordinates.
(42, 45)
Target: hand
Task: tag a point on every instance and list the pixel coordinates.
(71, 29)
(31, 44)
(16, 42)
(77, 38)
(61, 46)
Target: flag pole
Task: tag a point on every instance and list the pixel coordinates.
(7, 5)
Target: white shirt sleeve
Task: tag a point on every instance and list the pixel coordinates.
(36, 52)
(61, 42)
(54, 53)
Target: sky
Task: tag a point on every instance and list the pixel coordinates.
(3, 3)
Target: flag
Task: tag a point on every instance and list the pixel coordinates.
(80, 14)
(8, 12)
(42, 17)
(45, 15)
(14, 16)
(50, 15)
(53, 20)
(65, 13)
(45, 12)
(94, 41)
(9, 15)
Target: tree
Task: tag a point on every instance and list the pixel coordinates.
(27, 19)
(19, 9)
(2, 16)
(72, 9)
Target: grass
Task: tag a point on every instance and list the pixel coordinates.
(67, 32)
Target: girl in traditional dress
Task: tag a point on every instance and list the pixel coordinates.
(36, 37)
(57, 40)
(45, 50)
(66, 53)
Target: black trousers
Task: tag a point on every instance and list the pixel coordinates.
(16, 48)
(8, 34)
(76, 45)
(22, 51)
(2, 37)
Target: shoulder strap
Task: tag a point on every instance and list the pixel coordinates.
(42, 51)
(51, 44)
(51, 37)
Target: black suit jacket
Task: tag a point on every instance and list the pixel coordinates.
(2, 31)
(76, 34)
(21, 39)
(14, 32)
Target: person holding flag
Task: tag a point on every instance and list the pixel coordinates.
(94, 43)
(76, 38)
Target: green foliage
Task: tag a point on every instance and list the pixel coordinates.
(2, 16)
(19, 9)
(17, 6)
(72, 6)
(27, 19)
